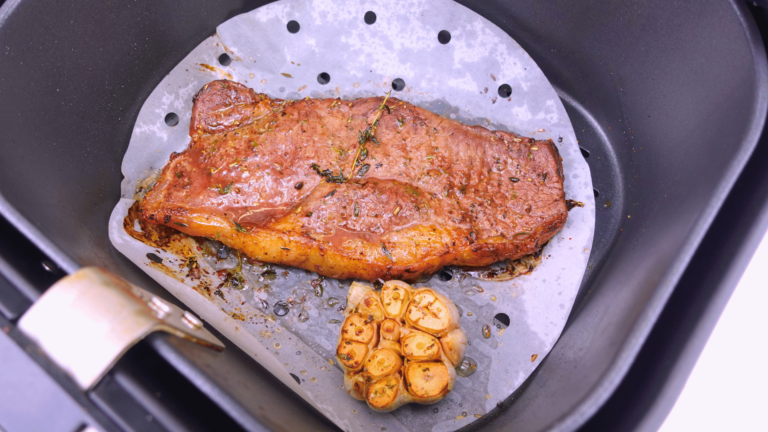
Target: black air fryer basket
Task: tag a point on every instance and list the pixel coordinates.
(668, 101)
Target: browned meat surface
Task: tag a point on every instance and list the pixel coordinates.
(426, 191)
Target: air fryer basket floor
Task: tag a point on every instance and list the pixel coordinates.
(667, 100)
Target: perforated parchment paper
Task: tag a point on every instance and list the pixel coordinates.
(459, 80)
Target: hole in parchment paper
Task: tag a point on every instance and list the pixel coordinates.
(445, 275)
(505, 90)
(224, 59)
(370, 17)
(171, 119)
(584, 152)
(298, 381)
(444, 37)
(323, 78)
(596, 192)
(293, 26)
(501, 320)
(398, 84)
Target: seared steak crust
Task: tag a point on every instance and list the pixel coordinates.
(263, 176)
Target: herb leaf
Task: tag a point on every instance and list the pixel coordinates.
(411, 190)
(328, 174)
(363, 136)
(239, 228)
(224, 190)
(387, 253)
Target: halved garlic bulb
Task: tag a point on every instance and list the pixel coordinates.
(400, 345)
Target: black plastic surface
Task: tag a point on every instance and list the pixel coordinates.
(23, 266)
(648, 392)
(658, 375)
(12, 302)
(145, 393)
(667, 97)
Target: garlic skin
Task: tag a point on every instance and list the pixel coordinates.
(400, 345)
(454, 346)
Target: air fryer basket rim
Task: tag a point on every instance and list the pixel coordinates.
(630, 347)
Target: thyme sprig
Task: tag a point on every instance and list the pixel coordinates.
(368, 135)
(362, 153)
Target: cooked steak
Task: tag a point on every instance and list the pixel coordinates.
(369, 188)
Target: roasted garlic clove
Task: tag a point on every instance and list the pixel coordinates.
(432, 312)
(390, 330)
(358, 328)
(354, 382)
(363, 300)
(358, 336)
(428, 382)
(395, 296)
(391, 345)
(454, 346)
(387, 394)
(351, 354)
(370, 306)
(418, 346)
(382, 362)
(356, 292)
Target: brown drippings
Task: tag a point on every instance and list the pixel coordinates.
(215, 69)
(514, 268)
(166, 270)
(174, 242)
